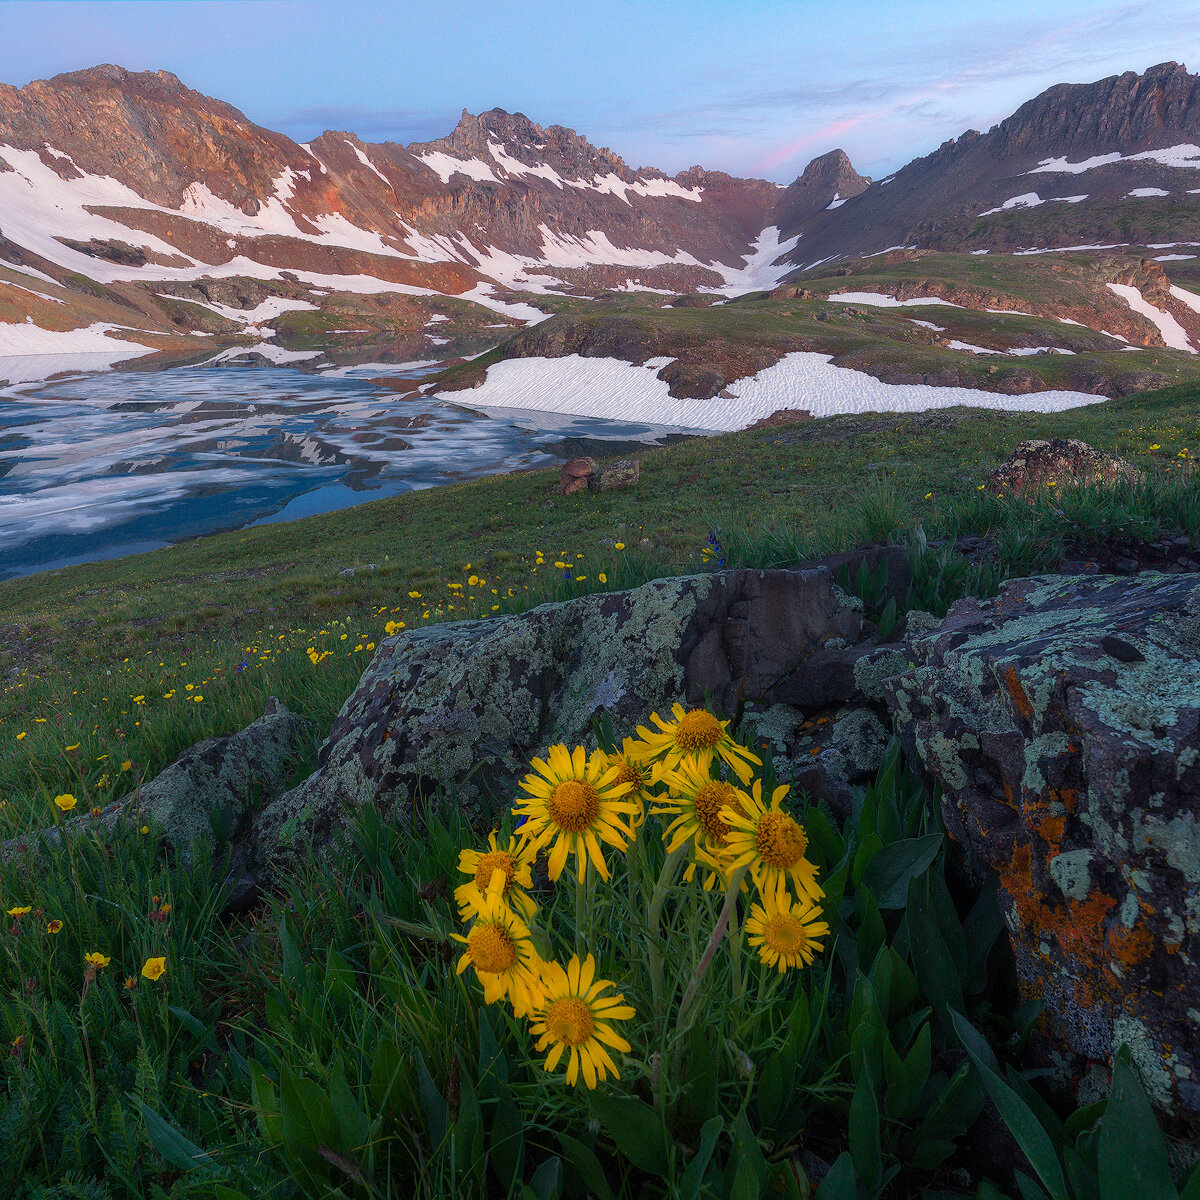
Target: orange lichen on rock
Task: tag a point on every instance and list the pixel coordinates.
(1017, 692)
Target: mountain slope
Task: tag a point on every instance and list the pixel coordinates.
(1114, 162)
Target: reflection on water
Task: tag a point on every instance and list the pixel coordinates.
(98, 465)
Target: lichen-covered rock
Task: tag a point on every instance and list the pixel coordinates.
(211, 787)
(224, 779)
(1062, 720)
(828, 756)
(464, 705)
(1057, 462)
(623, 473)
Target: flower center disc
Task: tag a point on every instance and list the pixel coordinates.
(698, 730)
(491, 948)
(784, 934)
(710, 799)
(570, 1021)
(627, 772)
(494, 860)
(780, 842)
(573, 805)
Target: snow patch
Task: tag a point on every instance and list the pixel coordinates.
(366, 162)
(762, 270)
(611, 388)
(1173, 333)
(445, 165)
(1149, 191)
(928, 325)
(878, 300)
(1185, 155)
(1191, 299)
(28, 338)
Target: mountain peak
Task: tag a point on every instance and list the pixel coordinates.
(826, 182)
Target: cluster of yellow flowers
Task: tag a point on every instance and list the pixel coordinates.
(575, 804)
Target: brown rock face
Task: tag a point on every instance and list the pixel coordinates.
(577, 475)
(1038, 464)
(1062, 720)
(832, 175)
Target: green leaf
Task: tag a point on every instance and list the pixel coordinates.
(266, 1103)
(1191, 1185)
(196, 1028)
(896, 866)
(636, 1130)
(308, 1123)
(907, 1077)
(865, 1147)
(699, 1100)
(293, 960)
(935, 968)
(1017, 1115)
(437, 1114)
(1132, 1152)
(172, 1147)
(692, 1179)
(586, 1165)
(769, 1093)
(982, 927)
(840, 1183)
(506, 1145)
(546, 1180)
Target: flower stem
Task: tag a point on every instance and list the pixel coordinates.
(693, 988)
(658, 898)
(580, 907)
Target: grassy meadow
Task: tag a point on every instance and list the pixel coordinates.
(323, 1045)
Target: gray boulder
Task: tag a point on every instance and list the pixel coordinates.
(212, 787)
(464, 705)
(1062, 720)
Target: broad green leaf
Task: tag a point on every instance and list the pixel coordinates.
(636, 1130)
(1132, 1152)
(840, 1183)
(437, 1114)
(265, 1099)
(769, 1092)
(692, 1179)
(865, 1147)
(1017, 1115)
(895, 866)
(699, 1100)
(935, 967)
(547, 1180)
(586, 1165)
(173, 1148)
(506, 1146)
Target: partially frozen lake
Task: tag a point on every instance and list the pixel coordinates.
(94, 466)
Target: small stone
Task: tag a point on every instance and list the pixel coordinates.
(624, 473)
(577, 475)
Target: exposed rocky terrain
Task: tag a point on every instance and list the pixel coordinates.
(136, 212)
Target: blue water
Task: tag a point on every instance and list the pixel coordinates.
(95, 466)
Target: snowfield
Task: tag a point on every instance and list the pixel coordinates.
(617, 390)
(1173, 334)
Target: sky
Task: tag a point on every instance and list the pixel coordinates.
(753, 87)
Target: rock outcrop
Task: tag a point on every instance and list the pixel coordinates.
(1062, 721)
(1058, 462)
(463, 706)
(211, 790)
